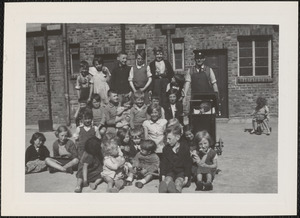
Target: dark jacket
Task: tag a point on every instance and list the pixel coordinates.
(179, 162)
(169, 71)
(178, 112)
(31, 153)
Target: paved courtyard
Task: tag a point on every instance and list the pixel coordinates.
(248, 164)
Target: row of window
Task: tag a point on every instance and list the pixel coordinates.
(254, 56)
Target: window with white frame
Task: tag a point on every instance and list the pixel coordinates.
(74, 61)
(178, 54)
(254, 54)
(141, 45)
(40, 63)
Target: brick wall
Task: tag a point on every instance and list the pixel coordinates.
(106, 39)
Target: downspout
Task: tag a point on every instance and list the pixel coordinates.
(123, 36)
(169, 45)
(44, 29)
(66, 75)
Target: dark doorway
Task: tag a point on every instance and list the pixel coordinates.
(109, 60)
(217, 60)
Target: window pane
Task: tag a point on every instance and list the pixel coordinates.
(245, 71)
(75, 63)
(261, 52)
(245, 62)
(263, 44)
(245, 44)
(178, 59)
(261, 71)
(261, 62)
(246, 52)
(41, 66)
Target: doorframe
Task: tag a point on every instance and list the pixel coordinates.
(211, 52)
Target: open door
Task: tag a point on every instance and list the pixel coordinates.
(217, 60)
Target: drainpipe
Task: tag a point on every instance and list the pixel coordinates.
(169, 45)
(66, 75)
(44, 29)
(123, 36)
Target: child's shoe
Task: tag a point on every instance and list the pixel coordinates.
(172, 188)
(52, 170)
(78, 189)
(139, 184)
(252, 131)
(199, 186)
(93, 186)
(128, 183)
(163, 187)
(207, 186)
(113, 190)
(120, 184)
(69, 170)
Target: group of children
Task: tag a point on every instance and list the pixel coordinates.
(120, 138)
(119, 143)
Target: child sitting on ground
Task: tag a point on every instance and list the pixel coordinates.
(90, 166)
(138, 113)
(261, 114)
(113, 166)
(176, 163)
(189, 137)
(36, 154)
(98, 114)
(206, 160)
(65, 157)
(145, 163)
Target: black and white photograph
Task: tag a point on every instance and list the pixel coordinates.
(118, 107)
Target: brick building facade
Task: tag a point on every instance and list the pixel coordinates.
(244, 58)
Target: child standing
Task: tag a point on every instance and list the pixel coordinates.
(83, 83)
(140, 76)
(65, 157)
(145, 163)
(155, 127)
(36, 154)
(138, 113)
(100, 79)
(174, 108)
(119, 77)
(90, 166)
(113, 166)
(261, 114)
(206, 161)
(85, 132)
(176, 163)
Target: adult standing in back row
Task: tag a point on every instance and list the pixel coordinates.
(162, 73)
(200, 78)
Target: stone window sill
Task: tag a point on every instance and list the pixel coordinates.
(254, 79)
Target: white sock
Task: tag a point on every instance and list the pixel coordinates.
(129, 179)
(143, 181)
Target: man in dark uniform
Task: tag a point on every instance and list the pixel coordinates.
(200, 78)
